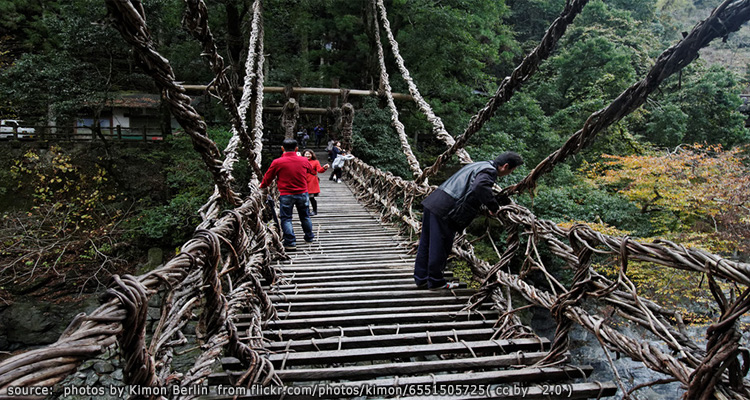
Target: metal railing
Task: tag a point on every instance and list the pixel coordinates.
(86, 133)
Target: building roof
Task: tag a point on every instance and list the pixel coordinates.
(136, 100)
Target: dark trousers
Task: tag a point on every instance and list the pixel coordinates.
(337, 173)
(435, 245)
(287, 203)
(314, 203)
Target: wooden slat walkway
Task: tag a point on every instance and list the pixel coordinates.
(353, 325)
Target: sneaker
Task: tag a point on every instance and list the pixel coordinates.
(338, 181)
(449, 286)
(422, 285)
(290, 248)
(313, 213)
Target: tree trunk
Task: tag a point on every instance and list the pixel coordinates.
(235, 44)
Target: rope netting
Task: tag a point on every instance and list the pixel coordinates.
(218, 271)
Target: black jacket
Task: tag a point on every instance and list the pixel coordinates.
(458, 199)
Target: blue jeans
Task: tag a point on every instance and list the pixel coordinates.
(286, 204)
(435, 245)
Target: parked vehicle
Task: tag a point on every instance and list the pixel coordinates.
(9, 128)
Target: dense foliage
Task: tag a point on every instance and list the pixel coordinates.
(457, 51)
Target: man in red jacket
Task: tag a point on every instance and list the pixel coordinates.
(291, 171)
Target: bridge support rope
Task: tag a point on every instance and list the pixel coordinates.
(511, 83)
(725, 19)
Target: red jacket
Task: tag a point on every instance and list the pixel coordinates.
(313, 183)
(291, 170)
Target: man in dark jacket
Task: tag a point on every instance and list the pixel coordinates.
(291, 171)
(450, 209)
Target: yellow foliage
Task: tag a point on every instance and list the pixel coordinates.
(60, 185)
(597, 226)
(700, 190)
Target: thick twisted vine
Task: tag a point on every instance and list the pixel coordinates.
(256, 38)
(129, 19)
(383, 190)
(139, 365)
(643, 312)
(725, 19)
(385, 86)
(510, 84)
(195, 21)
(437, 124)
(722, 350)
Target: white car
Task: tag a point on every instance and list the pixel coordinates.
(9, 128)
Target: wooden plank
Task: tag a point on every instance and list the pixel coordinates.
(353, 331)
(352, 268)
(374, 242)
(312, 277)
(415, 293)
(358, 248)
(362, 288)
(392, 369)
(324, 258)
(338, 305)
(308, 90)
(312, 253)
(387, 353)
(312, 265)
(376, 319)
(332, 92)
(346, 342)
(354, 280)
(369, 312)
(305, 278)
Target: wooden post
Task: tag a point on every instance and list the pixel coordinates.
(335, 97)
(309, 90)
(119, 132)
(145, 139)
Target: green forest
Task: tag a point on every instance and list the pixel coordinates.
(675, 169)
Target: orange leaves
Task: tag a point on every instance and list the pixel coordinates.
(694, 189)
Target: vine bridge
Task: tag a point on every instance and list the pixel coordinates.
(341, 314)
